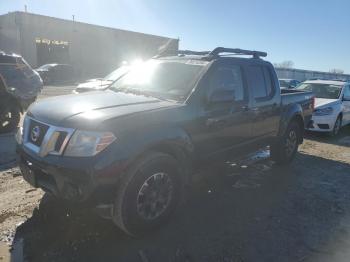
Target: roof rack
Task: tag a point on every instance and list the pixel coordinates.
(208, 55)
(237, 51)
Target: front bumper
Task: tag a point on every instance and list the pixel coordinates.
(74, 179)
(321, 123)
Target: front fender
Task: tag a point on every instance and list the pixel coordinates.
(166, 138)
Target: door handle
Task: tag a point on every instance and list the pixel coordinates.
(253, 109)
(215, 122)
(245, 108)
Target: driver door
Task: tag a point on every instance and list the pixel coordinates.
(224, 124)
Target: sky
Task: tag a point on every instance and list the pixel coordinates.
(314, 34)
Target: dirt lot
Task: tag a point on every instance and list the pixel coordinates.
(250, 210)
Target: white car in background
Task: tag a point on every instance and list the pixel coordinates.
(332, 105)
(288, 83)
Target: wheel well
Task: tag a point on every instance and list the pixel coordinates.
(179, 154)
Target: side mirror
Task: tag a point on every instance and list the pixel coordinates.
(222, 96)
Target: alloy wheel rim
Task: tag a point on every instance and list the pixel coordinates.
(291, 142)
(154, 196)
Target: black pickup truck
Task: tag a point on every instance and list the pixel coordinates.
(133, 147)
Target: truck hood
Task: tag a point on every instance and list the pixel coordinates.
(94, 84)
(90, 109)
(323, 102)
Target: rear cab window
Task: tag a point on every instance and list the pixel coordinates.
(260, 82)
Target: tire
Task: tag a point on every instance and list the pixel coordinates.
(9, 118)
(147, 194)
(284, 150)
(337, 127)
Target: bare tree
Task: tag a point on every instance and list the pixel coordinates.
(285, 64)
(336, 71)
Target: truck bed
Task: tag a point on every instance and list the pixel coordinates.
(289, 96)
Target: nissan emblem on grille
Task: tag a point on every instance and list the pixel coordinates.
(35, 133)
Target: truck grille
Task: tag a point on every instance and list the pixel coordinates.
(45, 139)
(37, 132)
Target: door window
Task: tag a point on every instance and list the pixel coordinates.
(228, 78)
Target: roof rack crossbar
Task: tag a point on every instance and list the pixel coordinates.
(190, 52)
(237, 51)
(182, 53)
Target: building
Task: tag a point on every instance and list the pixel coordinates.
(302, 75)
(93, 50)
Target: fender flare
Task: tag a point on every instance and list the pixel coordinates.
(173, 141)
(292, 112)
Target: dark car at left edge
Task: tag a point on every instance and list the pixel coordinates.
(19, 87)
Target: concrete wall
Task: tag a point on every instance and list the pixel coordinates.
(303, 75)
(94, 50)
(9, 34)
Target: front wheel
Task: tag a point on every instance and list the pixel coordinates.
(337, 126)
(147, 194)
(284, 150)
(9, 118)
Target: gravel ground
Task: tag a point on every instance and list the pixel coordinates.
(250, 210)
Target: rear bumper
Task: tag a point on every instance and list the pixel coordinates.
(76, 180)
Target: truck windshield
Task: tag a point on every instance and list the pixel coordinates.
(322, 90)
(165, 79)
(116, 73)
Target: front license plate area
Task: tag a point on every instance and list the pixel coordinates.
(28, 173)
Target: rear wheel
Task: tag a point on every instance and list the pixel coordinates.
(284, 150)
(147, 194)
(9, 118)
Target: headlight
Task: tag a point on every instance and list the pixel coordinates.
(86, 143)
(323, 111)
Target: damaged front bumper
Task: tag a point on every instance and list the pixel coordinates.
(75, 180)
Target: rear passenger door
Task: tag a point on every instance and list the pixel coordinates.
(264, 100)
